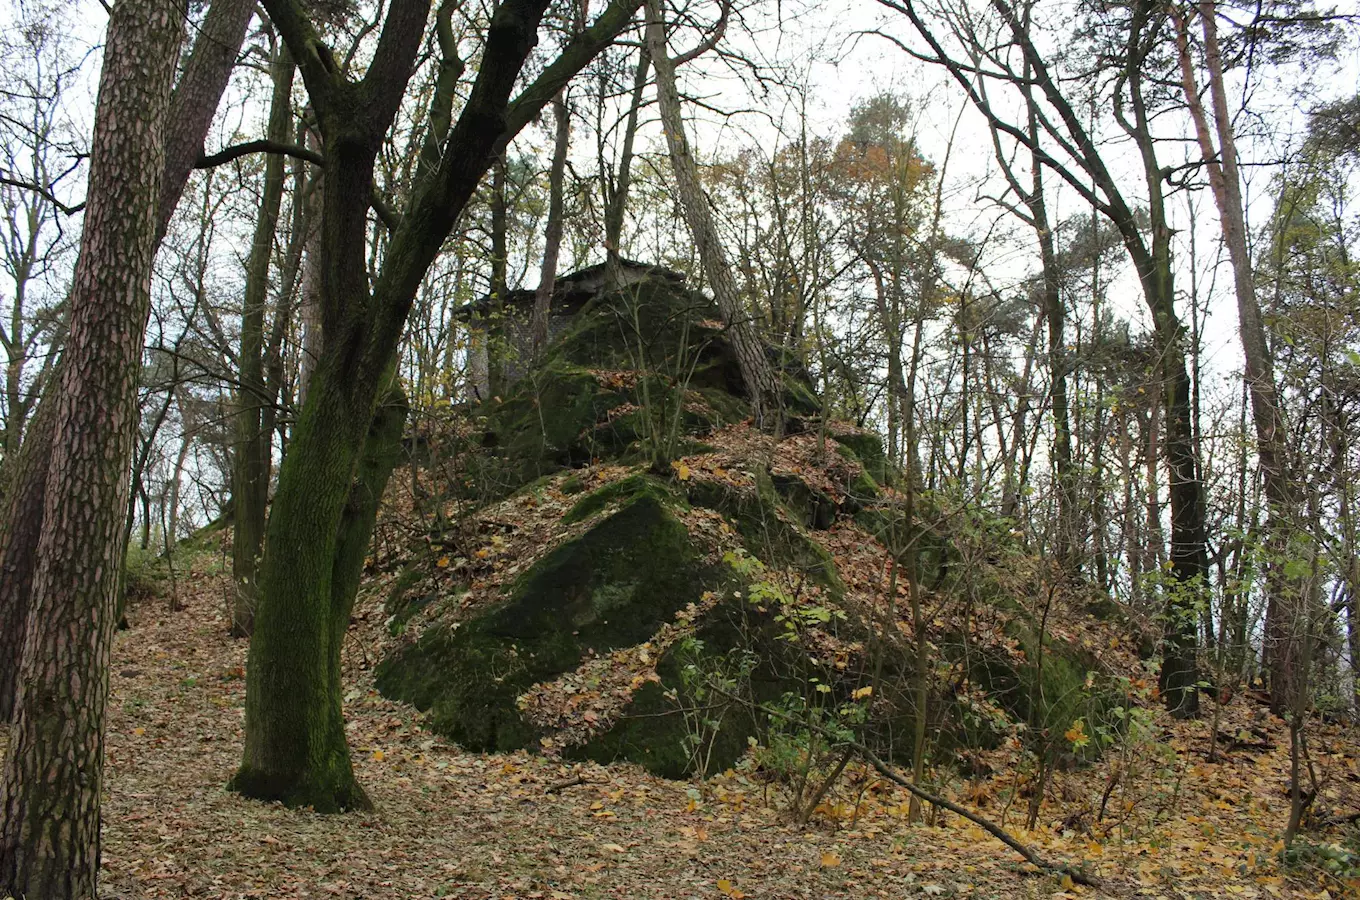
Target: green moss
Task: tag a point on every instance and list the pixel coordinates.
(811, 507)
(868, 450)
(400, 606)
(765, 534)
(625, 489)
(734, 642)
(612, 587)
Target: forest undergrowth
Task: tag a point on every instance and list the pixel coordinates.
(452, 824)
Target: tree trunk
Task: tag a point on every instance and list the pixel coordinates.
(192, 108)
(618, 199)
(760, 382)
(552, 233)
(254, 446)
(295, 747)
(19, 531)
(296, 750)
(49, 832)
(1225, 181)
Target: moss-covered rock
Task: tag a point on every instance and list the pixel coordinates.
(867, 449)
(611, 587)
(680, 726)
(767, 534)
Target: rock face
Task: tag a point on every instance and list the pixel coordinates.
(646, 570)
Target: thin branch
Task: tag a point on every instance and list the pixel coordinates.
(42, 192)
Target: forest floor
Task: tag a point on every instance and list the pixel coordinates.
(452, 824)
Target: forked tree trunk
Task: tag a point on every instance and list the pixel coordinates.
(760, 382)
(254, 445)
(295, 747)
(53, 774)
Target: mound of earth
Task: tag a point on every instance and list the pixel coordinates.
(628, 570)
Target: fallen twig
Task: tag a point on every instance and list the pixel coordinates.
(563, 785)
(1076, 873)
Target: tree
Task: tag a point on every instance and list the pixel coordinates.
(253, 454)
(295, 747)
(1130, 37)
(49, 827)
(761, 384)
(192, 108)
(1221, 163)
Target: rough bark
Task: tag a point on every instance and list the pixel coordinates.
(19, 530)
(21, 518)
(49, 827)
(254, 447)
(760, 382)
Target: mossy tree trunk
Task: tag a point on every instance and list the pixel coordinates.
(53, 770)
(295, 749)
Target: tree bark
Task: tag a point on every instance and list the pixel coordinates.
(552, 232)
(760, 382)
(192, 107)
(254, 445)
(49, 828)
(1282, 611)
(295, 749)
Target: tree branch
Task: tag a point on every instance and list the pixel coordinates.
(42, 192)
(236, 151)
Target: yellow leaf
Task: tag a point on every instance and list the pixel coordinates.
(139, 731)
(1067, 883)
(482, 553)
(726, 887)
(861, 693)
(442, 562)
(378, 755)
(682, 471)
(830, 860)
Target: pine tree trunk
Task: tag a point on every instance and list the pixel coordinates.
(1282, 604)
(192, 107)
(254, 445)
(759, 380)
(49, 828)
(19, 530)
